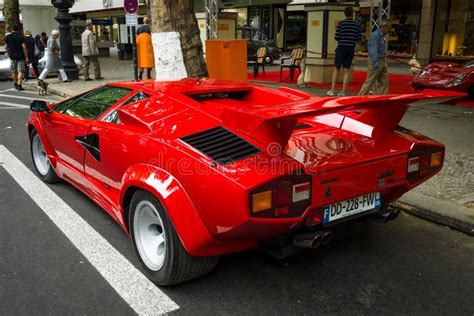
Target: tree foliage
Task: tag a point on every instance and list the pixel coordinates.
(11, 12)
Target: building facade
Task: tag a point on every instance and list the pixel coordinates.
(36, 16)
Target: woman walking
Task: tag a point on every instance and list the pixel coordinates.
(30, 44)
(53, 60)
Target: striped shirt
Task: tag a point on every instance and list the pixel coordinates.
(348, 33)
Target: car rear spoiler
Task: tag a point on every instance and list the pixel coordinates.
(381, 112)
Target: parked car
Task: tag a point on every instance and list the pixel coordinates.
(193, 169)
(6, 73)
(256, 39)
(447, 76)
(5, 69)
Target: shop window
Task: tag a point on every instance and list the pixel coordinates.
(296, 29)
(454, 29)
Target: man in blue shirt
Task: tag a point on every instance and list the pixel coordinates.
(348, 34)
(377, 65)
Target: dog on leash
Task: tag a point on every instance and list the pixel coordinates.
(42, 87)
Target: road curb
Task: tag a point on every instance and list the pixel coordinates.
(454, 223)
(50, 90)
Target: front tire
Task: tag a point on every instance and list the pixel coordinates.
(41, 161)
(157, 245)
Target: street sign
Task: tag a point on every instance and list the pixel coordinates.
(131, 19)
(130, 6)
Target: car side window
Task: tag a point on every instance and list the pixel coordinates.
(113, 116)
(245, 34)
(91, 105)
(258, 36)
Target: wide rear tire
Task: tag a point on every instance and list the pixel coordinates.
(158, 247)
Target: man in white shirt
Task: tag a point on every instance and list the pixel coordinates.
(90, 52)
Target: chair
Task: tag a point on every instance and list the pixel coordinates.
(261, 54)
(297, 55)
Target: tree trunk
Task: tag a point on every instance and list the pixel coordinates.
(178, 16)
(11, 12)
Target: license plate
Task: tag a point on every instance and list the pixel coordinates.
(352, 206)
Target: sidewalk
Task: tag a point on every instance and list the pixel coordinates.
(447, 198)
(112, 69)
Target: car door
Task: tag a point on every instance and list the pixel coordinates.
(67, 126)
(251, 47)
(61, 130)
(114, 141)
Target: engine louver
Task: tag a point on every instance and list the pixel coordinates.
(221, 145)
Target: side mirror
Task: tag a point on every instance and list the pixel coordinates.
(39, 106)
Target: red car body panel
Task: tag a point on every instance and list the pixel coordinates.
(443, 75)
(207, 202)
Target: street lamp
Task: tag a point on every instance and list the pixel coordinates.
(65, 40)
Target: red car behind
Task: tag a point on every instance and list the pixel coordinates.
(447, 76)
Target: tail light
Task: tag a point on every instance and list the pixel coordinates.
(424, 161)
(288, 196)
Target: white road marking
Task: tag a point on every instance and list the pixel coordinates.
(11, 108)
(15, 105)
(141, 294)
(24, 98)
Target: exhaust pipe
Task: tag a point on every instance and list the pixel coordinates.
(326, 238)
(308, 240)
(384, 217)
(394, 215)
(380, 217)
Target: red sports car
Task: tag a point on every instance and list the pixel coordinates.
(447, 76)
(194, 169)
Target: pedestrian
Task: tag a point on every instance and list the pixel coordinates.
(146, 59)
(41, 43)
(18, 54)
(31, 45)
(53, 60)
(377, 65)
(348, 34)
(90, 52)
(145, 27)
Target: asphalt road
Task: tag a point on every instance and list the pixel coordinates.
(406, 266)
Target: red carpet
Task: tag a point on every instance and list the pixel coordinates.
(398, 84)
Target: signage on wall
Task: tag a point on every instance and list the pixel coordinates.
(131, 19)
(130, 6)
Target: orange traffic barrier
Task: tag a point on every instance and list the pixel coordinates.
(227, 59)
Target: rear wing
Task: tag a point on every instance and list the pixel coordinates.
(381, 112)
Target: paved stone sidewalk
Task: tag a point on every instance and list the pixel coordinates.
(112, 69)
(447, 198)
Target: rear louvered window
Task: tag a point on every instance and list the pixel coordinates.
(221, 145)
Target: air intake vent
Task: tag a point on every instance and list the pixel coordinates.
(221, 145)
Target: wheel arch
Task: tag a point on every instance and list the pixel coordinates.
(35, 124)
(186, 220)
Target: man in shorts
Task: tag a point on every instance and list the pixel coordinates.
(348, 34)
(18, 53)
